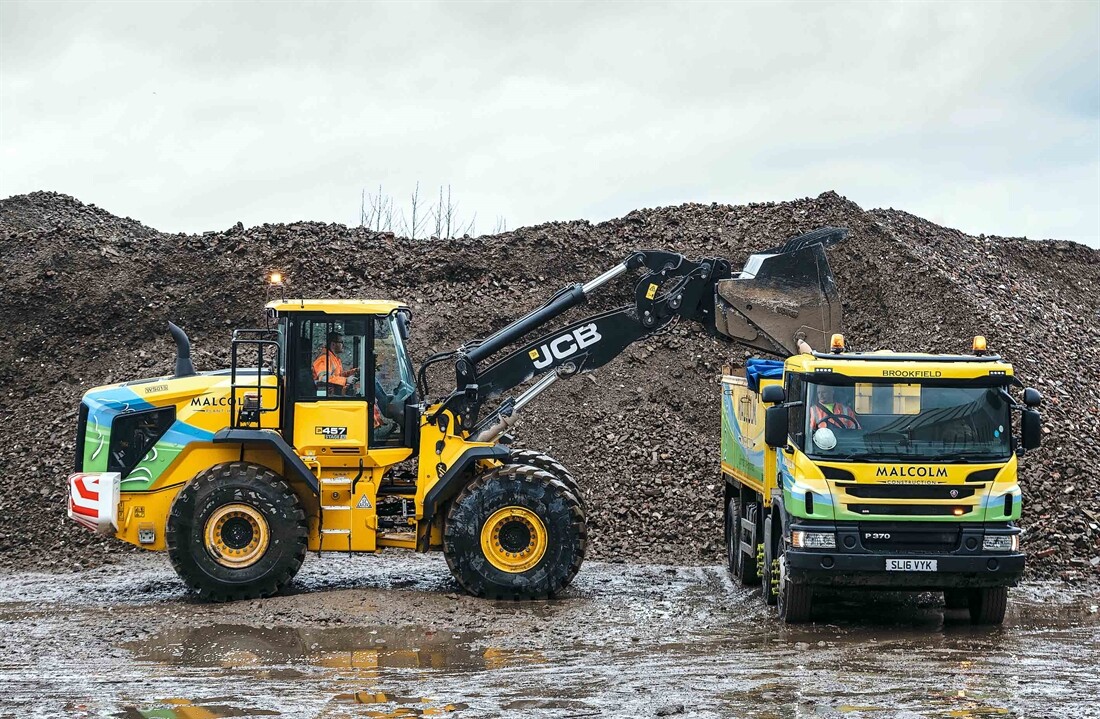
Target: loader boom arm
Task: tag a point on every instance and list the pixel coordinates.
(781, 296)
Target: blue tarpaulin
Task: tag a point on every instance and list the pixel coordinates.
(758, 369)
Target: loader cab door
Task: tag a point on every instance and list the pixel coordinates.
(349, 379)
(327, 360)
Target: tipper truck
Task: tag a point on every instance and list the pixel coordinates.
(876, 470)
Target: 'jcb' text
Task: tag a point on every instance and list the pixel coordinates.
(566, 345)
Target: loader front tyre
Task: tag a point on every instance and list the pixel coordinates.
(236, 531)
(515, 532)
(547, 463)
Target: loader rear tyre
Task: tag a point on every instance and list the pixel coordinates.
(515, 532)
(236, 531)
(794, 601)
(769, 574)
(987, 606)
(547, 463)
(956, 599)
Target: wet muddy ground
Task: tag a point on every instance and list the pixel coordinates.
(390, 636)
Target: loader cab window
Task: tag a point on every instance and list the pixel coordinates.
(394, 383)
(332, 358)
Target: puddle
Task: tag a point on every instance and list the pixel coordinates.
(187, 709)
(236, 646)
(383, 704)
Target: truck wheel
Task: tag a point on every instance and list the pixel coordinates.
(515, 532)
(956, 599)
(547, 463)
(733, 547)
(987, 606)
(769, 575)
(236, 531)
(795, 601)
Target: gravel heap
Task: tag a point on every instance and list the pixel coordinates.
(86, 296)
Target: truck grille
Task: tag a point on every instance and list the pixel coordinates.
(908, 491)
(908, 537)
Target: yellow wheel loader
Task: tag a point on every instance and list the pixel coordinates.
(330, 441)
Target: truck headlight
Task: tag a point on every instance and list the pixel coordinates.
(1001, 542)
(813, 540)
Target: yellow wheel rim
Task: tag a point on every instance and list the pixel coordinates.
(513, 539)
(236, 535)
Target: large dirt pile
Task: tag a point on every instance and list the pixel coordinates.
(86, 295)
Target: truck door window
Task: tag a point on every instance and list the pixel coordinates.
(797, 412)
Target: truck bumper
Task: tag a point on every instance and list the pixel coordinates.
(869, 570)
(859, 563)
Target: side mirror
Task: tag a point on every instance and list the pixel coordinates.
(775, 425)
(1030, 428)
(773, 394)
(404, 317)
(1033, 397)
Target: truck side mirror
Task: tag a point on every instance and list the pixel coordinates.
(773, 394)
(1030, 428)
(775, 425)
(1033, 397)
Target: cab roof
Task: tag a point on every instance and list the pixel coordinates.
(900, 366)
(337, 307)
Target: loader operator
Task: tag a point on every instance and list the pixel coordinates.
(827, 412)
(328, 368)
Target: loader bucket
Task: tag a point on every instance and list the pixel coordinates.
(782, 296)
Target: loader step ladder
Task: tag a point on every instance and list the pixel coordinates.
(246, 389)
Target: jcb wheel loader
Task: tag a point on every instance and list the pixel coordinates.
(331, 442)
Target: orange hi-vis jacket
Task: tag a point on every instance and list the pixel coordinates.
(329, 369)
(845, 417)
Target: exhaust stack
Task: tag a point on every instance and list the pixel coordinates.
(184, 368)
(782, 296)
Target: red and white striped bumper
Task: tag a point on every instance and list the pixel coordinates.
(93, 500)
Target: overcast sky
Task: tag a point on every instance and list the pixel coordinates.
(191, 116)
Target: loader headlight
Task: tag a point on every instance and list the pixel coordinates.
(813, 540)
(1001, 542)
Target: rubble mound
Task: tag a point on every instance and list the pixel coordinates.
(86, 296)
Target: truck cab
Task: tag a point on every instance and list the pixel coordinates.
(876, 470)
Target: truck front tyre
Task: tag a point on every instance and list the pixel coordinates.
(987, 606)
(515, 532)
(794, 601)
(236, 531)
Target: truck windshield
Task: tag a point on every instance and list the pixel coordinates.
(906, 422)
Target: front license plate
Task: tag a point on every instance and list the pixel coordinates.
(911, 565)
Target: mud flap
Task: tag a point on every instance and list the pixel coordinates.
(93, 500)
(783, 296)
